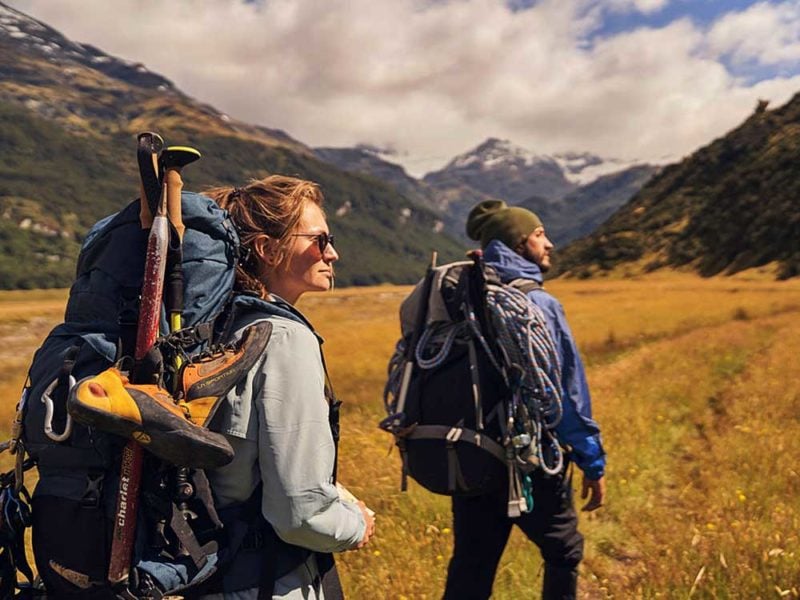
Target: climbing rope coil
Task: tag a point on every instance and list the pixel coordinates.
(532, 371)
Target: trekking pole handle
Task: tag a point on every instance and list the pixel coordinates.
(173, 160)
(174, 185)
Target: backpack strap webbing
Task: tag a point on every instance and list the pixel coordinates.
(127, 320)
(457, 434)
(188, 541)
(15, 503)
(453, 434)
(334, 407)
(525, 285)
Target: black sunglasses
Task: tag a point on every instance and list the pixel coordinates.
(323, 239)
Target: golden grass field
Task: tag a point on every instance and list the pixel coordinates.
(695, 383)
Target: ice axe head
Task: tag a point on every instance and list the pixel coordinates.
(148, 147)
(150, 142)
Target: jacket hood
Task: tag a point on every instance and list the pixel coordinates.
(510, 265)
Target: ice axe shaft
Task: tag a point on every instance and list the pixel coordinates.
(152, 285)
(124, 532)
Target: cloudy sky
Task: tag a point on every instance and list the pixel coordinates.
(631, 79)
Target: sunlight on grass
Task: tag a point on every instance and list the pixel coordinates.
(695, 384)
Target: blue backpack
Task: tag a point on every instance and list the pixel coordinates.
(73, 505)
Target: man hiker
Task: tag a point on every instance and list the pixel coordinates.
(515, 245)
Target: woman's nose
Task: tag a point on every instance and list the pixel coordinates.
(330, 255)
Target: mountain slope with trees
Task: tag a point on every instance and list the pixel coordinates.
(68, 119)
(730, 206)
(584, 209)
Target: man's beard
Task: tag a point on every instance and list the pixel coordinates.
(526, 254)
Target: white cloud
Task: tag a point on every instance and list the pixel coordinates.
(642, 6)
(433, 79)
(768, 34)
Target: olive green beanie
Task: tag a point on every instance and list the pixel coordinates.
(495, 220)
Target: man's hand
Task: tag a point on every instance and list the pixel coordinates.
(598, 490)
(369, 519)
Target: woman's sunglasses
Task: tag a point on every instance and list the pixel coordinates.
(323, 239)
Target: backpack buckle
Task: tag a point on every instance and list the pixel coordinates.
(253, 540)
(94, 490)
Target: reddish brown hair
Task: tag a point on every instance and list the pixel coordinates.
(271, 206)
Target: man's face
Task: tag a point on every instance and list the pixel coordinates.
(536, 248)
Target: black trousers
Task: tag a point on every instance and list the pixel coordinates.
(481, 528)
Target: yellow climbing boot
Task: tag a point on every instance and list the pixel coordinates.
(147, 414)
(208, 378)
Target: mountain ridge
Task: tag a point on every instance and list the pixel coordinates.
(453, 196)
(732, 205)
(68, 139)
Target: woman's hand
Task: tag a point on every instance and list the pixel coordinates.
(369, 519)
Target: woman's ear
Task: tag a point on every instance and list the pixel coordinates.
(264, 247)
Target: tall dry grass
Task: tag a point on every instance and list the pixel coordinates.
(695, 384)
(686, 377)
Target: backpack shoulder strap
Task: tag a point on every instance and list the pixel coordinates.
(526, 285)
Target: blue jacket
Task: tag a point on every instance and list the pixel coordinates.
(577, 428)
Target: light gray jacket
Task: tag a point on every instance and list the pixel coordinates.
(277, 422)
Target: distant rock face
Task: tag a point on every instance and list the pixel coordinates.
(36, 36)
(366, 160)
(585, 208)
(499, 169)
(588, 188)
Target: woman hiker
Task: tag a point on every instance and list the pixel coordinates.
(278, 495)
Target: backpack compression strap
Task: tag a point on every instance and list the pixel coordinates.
(452, 434)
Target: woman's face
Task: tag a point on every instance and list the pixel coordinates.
(306, 268)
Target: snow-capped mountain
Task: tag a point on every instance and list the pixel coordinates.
(34, 35)
(574, 192)
(583, 168)
(503, 170)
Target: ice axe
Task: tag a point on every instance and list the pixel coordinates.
(152, 214)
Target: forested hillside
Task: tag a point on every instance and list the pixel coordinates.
(732, 205)
(69, 115)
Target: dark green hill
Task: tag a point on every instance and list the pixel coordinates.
(732, 205)
(582, 210)
(68, 120)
